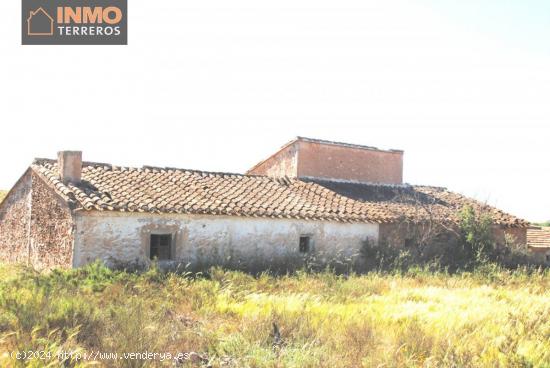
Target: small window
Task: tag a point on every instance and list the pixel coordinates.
(305, 244)
(548, 258)
(409, 243)
(161, 247)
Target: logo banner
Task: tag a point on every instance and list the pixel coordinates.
(74, 22)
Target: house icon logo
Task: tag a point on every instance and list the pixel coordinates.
(39, 23)
(74, 22)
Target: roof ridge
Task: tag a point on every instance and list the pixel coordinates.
(343, 144)
(40, 161)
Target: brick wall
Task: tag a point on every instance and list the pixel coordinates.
(14, 222)
(283, 163)
(334, 161)
(329, 160)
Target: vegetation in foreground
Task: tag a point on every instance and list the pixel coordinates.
(486, 318)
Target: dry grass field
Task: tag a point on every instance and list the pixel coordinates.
(487, 318)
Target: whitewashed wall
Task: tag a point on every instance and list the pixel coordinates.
(249, 243)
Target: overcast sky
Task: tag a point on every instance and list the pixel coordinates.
(462, 86)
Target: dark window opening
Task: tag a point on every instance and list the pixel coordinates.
(305, 244)
(161, 247)
(409, 242)
(548, 258)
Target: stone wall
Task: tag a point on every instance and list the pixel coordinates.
(15, 214)
(35, 226)
(252, 244)
(51, 228)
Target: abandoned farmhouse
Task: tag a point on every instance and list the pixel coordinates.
(311, 197)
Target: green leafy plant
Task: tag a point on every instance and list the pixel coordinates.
(476, 239)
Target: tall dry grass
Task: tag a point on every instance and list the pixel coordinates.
(487, 318)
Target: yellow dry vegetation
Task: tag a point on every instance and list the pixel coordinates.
(488, 318)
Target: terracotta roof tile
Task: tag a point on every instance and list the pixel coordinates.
(538, 237)
(157, 190)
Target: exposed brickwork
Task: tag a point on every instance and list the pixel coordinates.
(51, 228)
(313, 158)
(284, 163)
(331, 161)
(14, 222)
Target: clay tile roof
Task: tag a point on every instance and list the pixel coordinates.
(168, 190)
(538, 237)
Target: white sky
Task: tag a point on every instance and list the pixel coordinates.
(462, 86)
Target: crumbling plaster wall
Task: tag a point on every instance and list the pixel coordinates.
(201, 241)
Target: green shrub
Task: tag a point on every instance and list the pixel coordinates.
(471, 246)
(476, 246)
